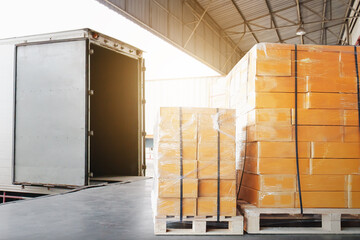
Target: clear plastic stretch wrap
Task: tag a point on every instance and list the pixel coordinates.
(297, 126)
(194, 165)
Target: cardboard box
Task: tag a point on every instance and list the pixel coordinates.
(320, 133)
(277, 149)
(352, 134)
(272, 116)
(209, 151)
(324, 183)
(273, 62)
(207, 206)
(335, 166)
(209, 170)
(335, 150)
(171, 207)
(331, 100)
(354, 183)
(354, 199)
(209, 188)
(322, 199)
(268, 199)
(171, 151)
(270, 183)
(171, 169)
(276, 165)
(269, 133)
(322, 117)
(170, 188)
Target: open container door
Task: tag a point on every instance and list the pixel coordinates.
(50, 132)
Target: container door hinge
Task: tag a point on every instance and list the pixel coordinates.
(143, 101)
(91, 92)
(143, 69)
(143, 166)
(90, 133)
(91, 51)
(143, 134)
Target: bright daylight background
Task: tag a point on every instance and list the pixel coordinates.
(29, 17)
(163, 61)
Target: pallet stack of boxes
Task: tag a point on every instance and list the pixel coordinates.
(328, 134)
(189, 145)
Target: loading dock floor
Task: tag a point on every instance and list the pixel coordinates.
(115, 211)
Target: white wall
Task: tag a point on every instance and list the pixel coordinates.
(185, 92)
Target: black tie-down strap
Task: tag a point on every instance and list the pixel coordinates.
(181, 166)
(218, 168)
(357, 83)
(296, 132)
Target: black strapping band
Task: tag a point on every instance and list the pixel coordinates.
(296, 133)
(218, 168)
(357, 80)
(181, 166)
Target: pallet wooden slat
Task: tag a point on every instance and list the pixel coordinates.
(330, 220)
(199, 226)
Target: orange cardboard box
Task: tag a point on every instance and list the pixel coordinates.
(171, 207)
(267, 199)
(273, 62)
(354, 183)
(169, 188)
(276, 84)
(208, 188)
(271, 183)
(351, 118)
(275, 100)
(335, 150)
(352, 134)
(171, 169)
(324, 183)
(276, 165)
(335, 166)
(209, 151)
(207, 206)
(171, 150)
(322, 199)
(209, 170)
(331, 100)
(169, 125)
(319, 117)
(275, 116)
(354, 201)
(320, 133)
(277, 149)
(269, 133)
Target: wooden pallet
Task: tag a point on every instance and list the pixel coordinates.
(235, 225)
(330, 218)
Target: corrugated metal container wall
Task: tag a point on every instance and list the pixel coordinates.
(185, 92)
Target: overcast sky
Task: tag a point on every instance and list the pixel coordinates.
(28, 17)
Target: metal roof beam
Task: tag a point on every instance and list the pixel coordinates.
(298, 9)
(273, 20)
(197, 25)
(323, 24)
(246, 23)
(293, 25)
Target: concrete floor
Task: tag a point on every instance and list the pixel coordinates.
(116, 211)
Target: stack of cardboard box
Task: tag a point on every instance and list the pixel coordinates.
(195, 140)
(327, 125)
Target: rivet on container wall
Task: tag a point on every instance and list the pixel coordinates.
(105, 41)
(121, 47)
(116, 45)
(130, 51)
